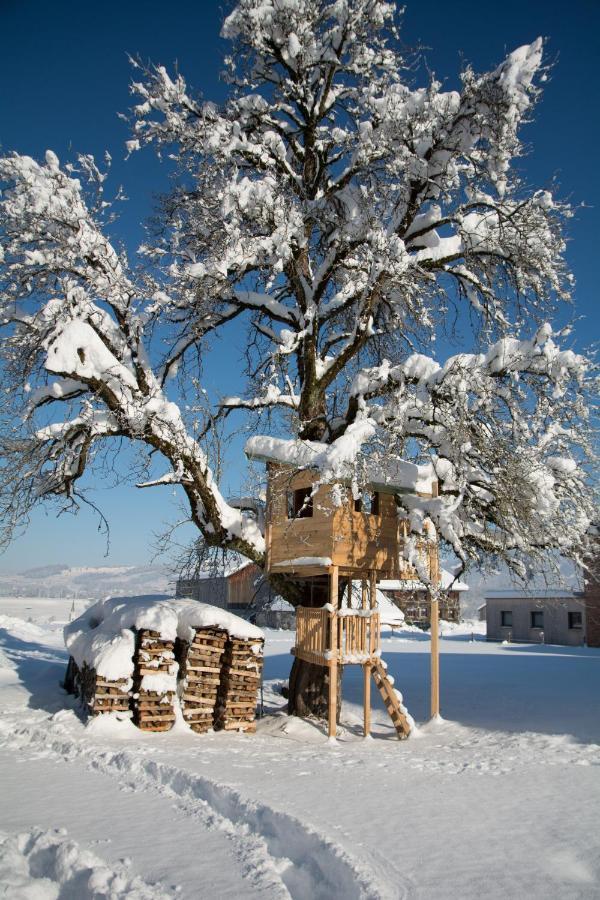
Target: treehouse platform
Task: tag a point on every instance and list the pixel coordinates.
(330, 636)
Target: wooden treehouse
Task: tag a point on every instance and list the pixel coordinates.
(323, 536)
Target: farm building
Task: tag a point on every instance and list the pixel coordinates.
(411, 597)
(240, 589)
(276, 613)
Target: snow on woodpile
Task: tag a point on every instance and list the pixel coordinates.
(192, 615)
(103, 637)
(129, 645)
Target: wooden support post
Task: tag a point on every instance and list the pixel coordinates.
(363, 598)
(333, 599)
(367, 698)
(435, 656)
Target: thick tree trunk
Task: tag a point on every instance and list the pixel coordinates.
(309, 684)
(309, 691)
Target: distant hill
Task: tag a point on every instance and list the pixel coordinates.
(62, 580)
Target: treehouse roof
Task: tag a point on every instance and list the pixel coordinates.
(395, 476)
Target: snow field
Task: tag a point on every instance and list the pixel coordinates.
(46, 865)
(499, 800)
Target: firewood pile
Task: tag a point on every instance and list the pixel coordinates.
(240, 681)
(165, 656)
(201, 672)
(99, 694)
(153, 709)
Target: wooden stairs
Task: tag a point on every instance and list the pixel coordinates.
(396, 710)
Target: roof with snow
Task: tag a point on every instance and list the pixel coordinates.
(532, 594)
(337, 461)
(446, 582)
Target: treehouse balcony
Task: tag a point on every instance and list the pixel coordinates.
(329, 637)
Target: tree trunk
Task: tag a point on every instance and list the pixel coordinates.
(309, 684)
(309, 691)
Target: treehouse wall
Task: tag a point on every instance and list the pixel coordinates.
(352, 539)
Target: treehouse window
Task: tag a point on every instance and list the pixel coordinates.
(575, 620)
(506, 618)
(300, 503)
(369, 503)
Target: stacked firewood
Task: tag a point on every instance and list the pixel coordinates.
(98, 693)
(153, 709)
(200, 670)
(240, 681)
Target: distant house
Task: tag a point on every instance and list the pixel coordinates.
(276, 613)
(551, 616)
(240, 589)
(481, 612)
(411, 597)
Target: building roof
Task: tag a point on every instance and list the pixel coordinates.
(532, 594)
(415, 585)
(397, 476)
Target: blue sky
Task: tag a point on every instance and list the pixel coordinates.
(65, 76)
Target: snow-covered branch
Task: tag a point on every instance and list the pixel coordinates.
(338, 211)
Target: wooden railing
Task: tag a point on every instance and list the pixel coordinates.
(324, 636)
(313, 630)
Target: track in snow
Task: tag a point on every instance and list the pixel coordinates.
(278, 853)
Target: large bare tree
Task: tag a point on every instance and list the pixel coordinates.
(348, 217)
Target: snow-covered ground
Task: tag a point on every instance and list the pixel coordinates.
(499, 800)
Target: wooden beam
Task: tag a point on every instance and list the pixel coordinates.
(333, 599)
(367, 698)
(364, 603)
(435, 656)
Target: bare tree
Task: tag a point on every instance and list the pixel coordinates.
(347, 216)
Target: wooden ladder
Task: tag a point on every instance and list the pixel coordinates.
(392, 703)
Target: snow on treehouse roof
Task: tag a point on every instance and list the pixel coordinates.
(397, 476)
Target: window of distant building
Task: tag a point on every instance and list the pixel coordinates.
(537, 619)
(575, 620)
(300, 503)
(506, 618)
